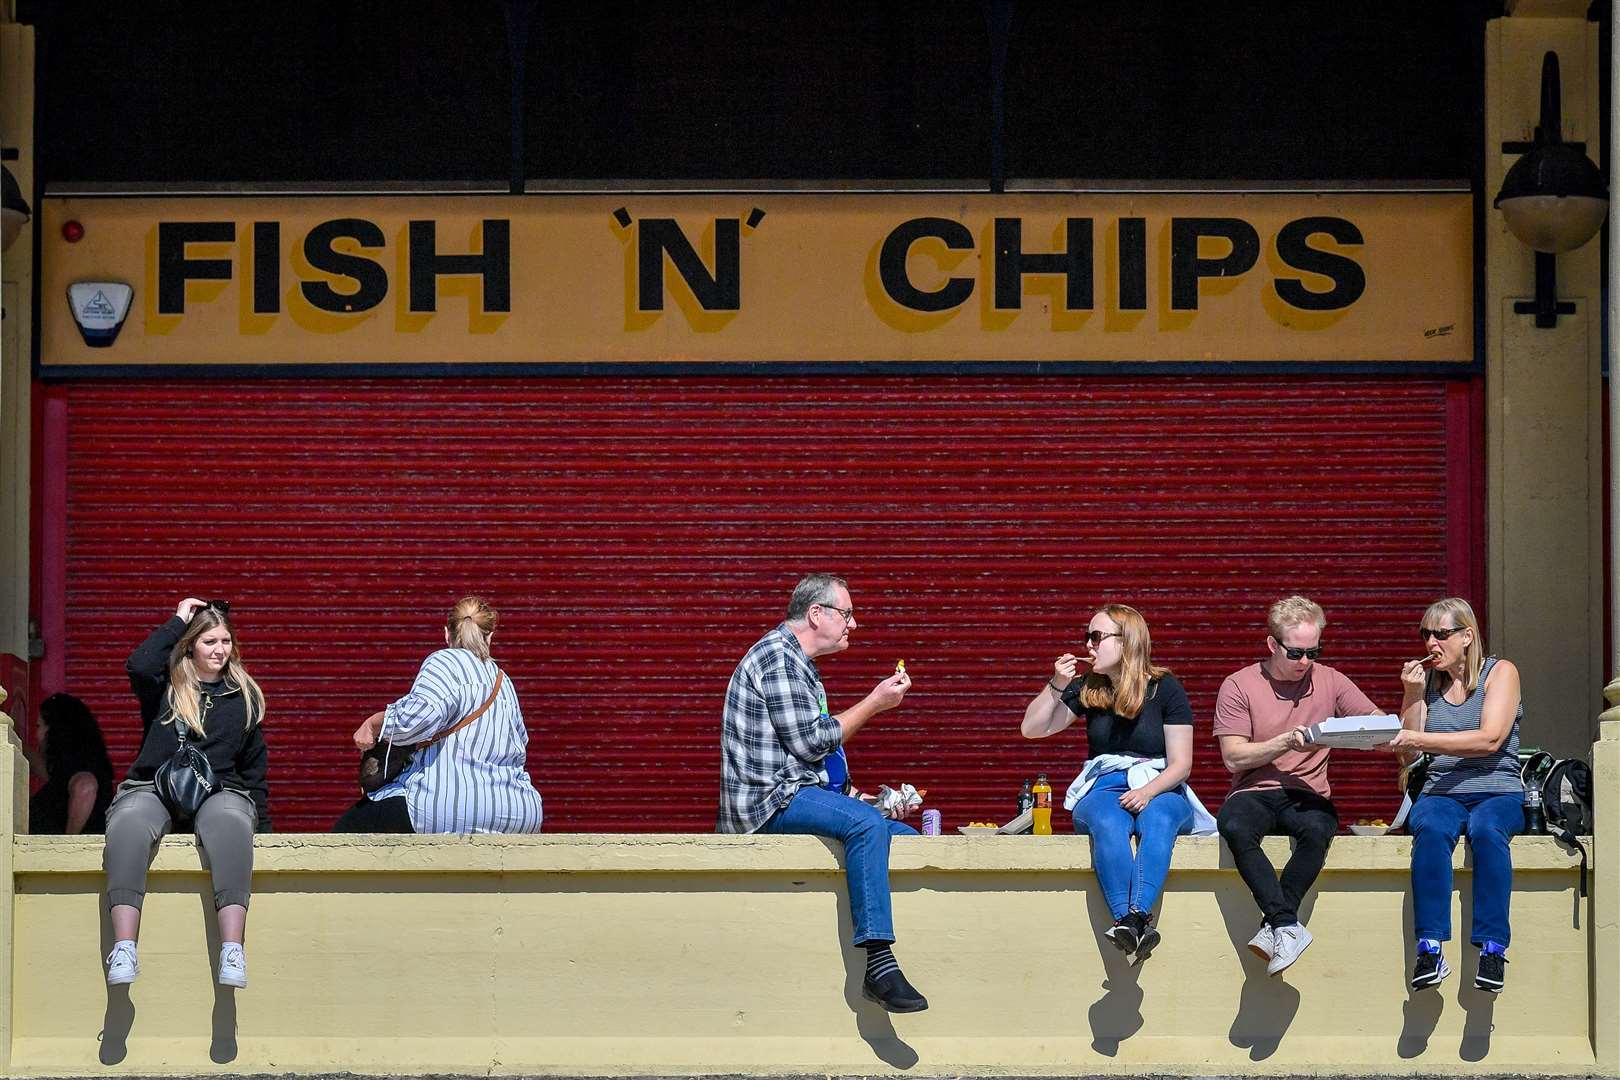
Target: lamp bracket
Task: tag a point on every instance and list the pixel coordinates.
(1526, 147)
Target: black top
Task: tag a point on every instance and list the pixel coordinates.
(1107, 732)
(236, 751)
(48, 807)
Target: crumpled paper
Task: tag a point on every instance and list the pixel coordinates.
(895, 804)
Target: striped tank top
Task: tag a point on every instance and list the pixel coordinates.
(1490, 774)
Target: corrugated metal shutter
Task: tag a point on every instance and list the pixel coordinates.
(639, 534)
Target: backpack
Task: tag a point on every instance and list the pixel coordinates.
(1566, 799)
(1565, 788)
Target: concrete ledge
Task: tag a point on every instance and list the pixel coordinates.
(706, 853)
(691, 955)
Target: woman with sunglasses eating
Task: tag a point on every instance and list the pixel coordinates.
(1463, 709)
(1139, 739)
(191, 684)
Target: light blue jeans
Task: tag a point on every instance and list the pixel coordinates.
(865, 834)
(1131, 880)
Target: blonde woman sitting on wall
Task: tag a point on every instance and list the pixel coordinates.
(189, 678)
(467, 774)
(1462, 707)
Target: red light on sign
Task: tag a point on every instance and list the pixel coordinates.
(72, 232)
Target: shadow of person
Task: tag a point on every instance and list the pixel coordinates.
(120, 1014)
(222, 1046)
(1421, 1013)
(1479, 1009)
(1267, 1004)
(872, 1023)
(1117, 1015)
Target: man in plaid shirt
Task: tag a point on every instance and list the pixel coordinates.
(776, 741)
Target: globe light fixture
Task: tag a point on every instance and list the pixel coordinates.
(1553, 199)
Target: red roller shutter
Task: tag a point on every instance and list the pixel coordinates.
(639, 534)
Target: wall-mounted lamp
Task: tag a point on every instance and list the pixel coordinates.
(1553, 198)
(14, 209)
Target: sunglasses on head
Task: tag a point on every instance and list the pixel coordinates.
(221, 607)
(1297, 654)
(1439, 634)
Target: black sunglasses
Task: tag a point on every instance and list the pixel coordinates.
(223, 607)
(1297, 654)
(1097, 637)
(1443, 634)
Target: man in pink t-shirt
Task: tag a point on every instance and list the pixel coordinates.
(1279, 782)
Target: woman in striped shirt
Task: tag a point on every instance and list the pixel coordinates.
(1462, 708)
(474, 779)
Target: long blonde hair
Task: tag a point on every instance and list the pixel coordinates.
(1455, 611)
(184, 697)
(1126, 692)
(470, 624)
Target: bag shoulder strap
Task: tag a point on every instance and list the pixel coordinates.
(500, 677)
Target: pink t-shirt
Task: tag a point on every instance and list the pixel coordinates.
(1253, 705)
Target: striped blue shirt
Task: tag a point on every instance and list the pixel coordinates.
(1489, 774)
(474, 781)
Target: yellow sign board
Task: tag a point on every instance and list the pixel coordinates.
(626, 278)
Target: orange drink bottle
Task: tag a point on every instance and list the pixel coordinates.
(1043, 806)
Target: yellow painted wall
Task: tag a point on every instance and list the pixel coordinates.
(665, 954)
(705, 954)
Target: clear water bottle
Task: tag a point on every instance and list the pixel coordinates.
(1535, 818)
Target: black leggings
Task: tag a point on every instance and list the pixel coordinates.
(380, 816)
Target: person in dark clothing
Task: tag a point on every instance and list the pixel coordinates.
(1139, 742)
(189, 671)
(72, 758)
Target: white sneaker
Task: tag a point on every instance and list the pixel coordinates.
(1291, 941)
(122, 964)
(1265, 941)
(232, 965)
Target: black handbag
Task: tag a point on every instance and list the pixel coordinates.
(383, 763)
(186, 780)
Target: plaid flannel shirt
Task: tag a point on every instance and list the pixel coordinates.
(774, 732)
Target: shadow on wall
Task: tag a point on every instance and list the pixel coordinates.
(119, 1017)
(1267, 1004)
(871, 1021)
(1423, 1008)
(1117, 1015)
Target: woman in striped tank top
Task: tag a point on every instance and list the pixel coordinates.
(1461, 707)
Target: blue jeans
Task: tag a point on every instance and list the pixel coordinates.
(865, 833)
(1436, 822)
(1131, 881)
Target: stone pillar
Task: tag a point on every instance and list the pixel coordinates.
(1543, 401)
(13, 820)
(1605, 910)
